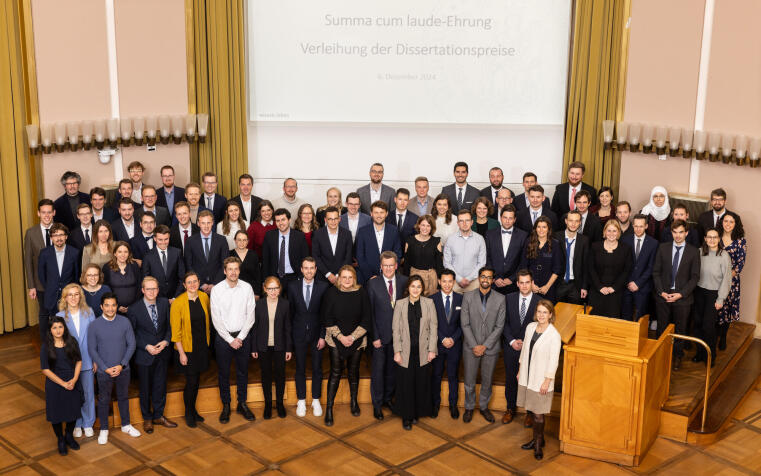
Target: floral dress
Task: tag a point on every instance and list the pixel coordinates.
(731, 310)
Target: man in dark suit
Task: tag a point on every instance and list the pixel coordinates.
(66, 205)
(331, 247)
(249, 204)
(375, 190)
(504, 198)
(144, 241)
(36, 238)
(181, 231)
(57, 266)
(675, 274)
(367, 249)
(448, 305)
(694, 236)
(623, 214)
(711, 219)
(527, 217)
(404, 219)
(564, 199)
(205, 252)
(124, 227)
(283, 250)
(81, 235)
(99, 209)
(165, 263)
(124, 191)
(354, 219)
(149, 196)
(574, 248)
(384, 291)
(590, 224)
(504, 251)
(496, 177)
(461, 194)
(521, 201)
(168, 193)
(519, 311)
(305, 296)
(153, 335)
(637, 293)
(211, 199)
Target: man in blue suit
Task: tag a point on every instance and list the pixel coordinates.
(404, 219)
(375, 239)
(353, 220)
(57, 266)
(519, 311)
(205, 252)
(637, 293)
(211, 199)
(165, 263)
(384, 291)
(504, 251)
(150, 321)
(448, 304)
(305, 296)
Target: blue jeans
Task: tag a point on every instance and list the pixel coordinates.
(87, 420)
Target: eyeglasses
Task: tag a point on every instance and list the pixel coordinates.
(58, 235)
(151, 289)
(486, 276)
(71, 183)
(272, 289)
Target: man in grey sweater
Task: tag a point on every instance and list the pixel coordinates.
(111, 343)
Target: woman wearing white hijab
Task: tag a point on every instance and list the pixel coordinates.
(657, 211)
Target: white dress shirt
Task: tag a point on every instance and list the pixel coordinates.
(333, 237)
(59, 256)
(375, 195)
(74, 316)
(246, 207)
(182, 233)
(232, 309)
(353, 225)
(521, 298)
(129, 227)
(206, 202)
(506, 237)
(379, 236)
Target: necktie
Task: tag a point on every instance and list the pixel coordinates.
(675, 267)
(308, 296)
(638, 248)
(391, 290)
(148, 240)
(399, 221)
(495, 195)
(281, 259)
(572, 203)
(163, 260)
(154, 316)
(206, 248)
(568, 245)
(459, 198)
(184, 238)
(47, 237)
(523, 309)
(533, 217)
(208, 203)
(447, 307)
(87, 236)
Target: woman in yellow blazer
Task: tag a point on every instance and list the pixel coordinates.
(415, 328)
(189, 317)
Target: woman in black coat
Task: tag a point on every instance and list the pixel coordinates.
(250, 271)
(123, 276)
(609, 269)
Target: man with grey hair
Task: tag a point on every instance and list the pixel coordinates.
(66, 205)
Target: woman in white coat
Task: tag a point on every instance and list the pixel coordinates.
(538, 364)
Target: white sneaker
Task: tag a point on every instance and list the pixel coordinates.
(131, 431)
(89, 432)
(316, 407)
(103, 437)
(301, 408)
(77, 432)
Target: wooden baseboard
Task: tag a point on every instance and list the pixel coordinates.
(598, 454)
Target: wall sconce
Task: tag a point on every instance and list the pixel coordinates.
(741, 148)
(100, 133)
(753, 151)
(622, 129)
(674, 136)
(647, 138)
(700, 145)
(634, 131)
(138, 126)
(87, 132)
(126, 129)
(60, 136)
(165, 125)
(46, 132)
(687, 135)
(150, 129)
(727, 144)
(178, 128)
(112, 127)
(72, 129)
(203, 127)
(714, 139)
(33, 137)
(607, 133)
(660, 140)
(190, 128)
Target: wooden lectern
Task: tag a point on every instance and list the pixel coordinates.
(615, 381)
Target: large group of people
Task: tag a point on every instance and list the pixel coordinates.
(166, 276)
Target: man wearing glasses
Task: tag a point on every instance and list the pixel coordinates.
(465, 253)
(58, 266)
(211, 199)
(66, 205)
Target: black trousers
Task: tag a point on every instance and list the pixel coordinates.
(705, 320)
(42, 316)
(383, 374)
(568, 292)
(272, 362)
(300, 352)
(638, 301)
(337, 362)
(190, 392)
(511, 357)
(449, 359)
(153, 386)
(105, 384)
(676, 312)
(225, 356)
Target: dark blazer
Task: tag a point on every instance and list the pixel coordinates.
(519, 202)
(250, 271)
(109, 215)
(139, 245)
(175, 237)
(364, 220)
(120, 232)
(209, 271)
(470, 196)
(592, 228)
(368, 256)
(523, 219)
(200, 209)
(115, 205)
(705, 223)
(642, 267)
(327, 261)
(146, 333)
(63, 213)
(506, 262)
(687, 274)
(179, 196)
(297, 251)
(408, 225)
(163, 217)
(256, 203)
(260, 330)
(513, 329)
(51, 280)
(487, 192)
(383, 313)
(560, 199)
(170, 283)
(219, 205)
(694, 236)
(77, 238)
(387, 195)
(448, 328)
(580, 259)
(306, 325)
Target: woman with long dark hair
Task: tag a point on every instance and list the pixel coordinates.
(544, 258)
(446, 223)
(423, 254)
(260, 226)
(306, 222)
(732, 236)
(123, 276)
(231, 223)
(100, 250)
(61, 363)
(250, 271)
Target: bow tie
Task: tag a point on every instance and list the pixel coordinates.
(507, 232)
(148, 238)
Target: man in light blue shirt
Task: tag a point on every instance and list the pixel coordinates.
(465, 253)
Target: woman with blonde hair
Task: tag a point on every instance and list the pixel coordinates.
(77, 315)
(100, 250)
(231, 223)
(334, 199)
(609, 268)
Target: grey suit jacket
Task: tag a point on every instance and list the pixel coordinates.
(387, 195)
(428, 330)
(479, 328)
(33, 244)
(413, 206)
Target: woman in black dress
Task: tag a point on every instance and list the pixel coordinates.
(250, 271)
(189, 319)
(423, 254)
(544, 258)
(122, 275)
(346, 317)
(415, 332)
(609, 269)
(61, 363)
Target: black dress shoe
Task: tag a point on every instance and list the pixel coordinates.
(190, 420)
(224, 417)
(281, 410)
(243, 410)
(329, 416)
(387, 404)
(71, 442)
(529, 445)
(378, 413)
(487, 415)
(723, 342)
(198, 417)
(267, 413)
(354, 408)
(435, 412)
(467, 416)
(62, 446)
(454, 412)
(407, 425)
